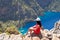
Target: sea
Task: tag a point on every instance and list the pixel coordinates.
(47, 20)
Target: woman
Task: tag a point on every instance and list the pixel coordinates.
(36, 29)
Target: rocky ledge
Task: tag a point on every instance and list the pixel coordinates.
(53, 34)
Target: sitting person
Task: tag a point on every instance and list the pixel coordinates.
(36, 29)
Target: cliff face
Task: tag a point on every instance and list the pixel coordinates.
(54, 6)
(56, 28)
(25, 9)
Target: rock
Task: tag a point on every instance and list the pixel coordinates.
(27, 38)
(11, 37)
(2, 36)
(44, 33)
(55, 37)
(36, 38)
(17, 37)
(53, 34)
(6, 37)
(56, 28)
(44, 38)
(32, 38)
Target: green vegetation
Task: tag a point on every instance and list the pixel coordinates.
(12, 30)
(9, 27)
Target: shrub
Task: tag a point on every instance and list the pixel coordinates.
(12, 30)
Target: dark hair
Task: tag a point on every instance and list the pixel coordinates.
(39, 22)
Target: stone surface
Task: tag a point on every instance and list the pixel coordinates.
(56, 28)
(46, 35)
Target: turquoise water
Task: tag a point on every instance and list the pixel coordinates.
(47, 20)
(25, 28)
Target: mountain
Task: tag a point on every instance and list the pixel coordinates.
(54, 6)
(25, 10)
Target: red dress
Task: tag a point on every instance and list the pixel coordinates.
(36, 29)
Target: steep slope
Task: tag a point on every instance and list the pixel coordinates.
(26, 10)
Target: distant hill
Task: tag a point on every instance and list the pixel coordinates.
(26, 10)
